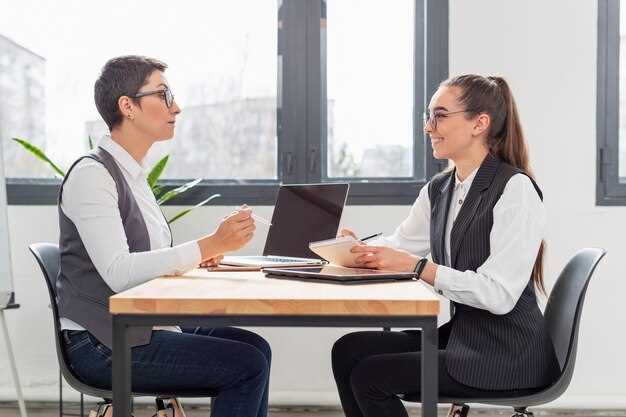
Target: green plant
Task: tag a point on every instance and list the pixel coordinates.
(160, 193)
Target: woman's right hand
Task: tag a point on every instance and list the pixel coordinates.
(234, 231)
(347, 232)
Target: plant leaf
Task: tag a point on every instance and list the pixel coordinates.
(178, 190)
(156, 171)
(90, 142)
(156, 190)
(183, 212)
(39, 154)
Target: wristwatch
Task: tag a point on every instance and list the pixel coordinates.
(419, 267)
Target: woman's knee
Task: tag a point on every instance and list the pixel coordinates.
(254, 361)
(347, 347)
(264, 346)
(365, 378)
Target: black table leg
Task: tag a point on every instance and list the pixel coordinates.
(430, 383)
(121, 369)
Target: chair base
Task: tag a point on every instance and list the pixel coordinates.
(462, 410)
(173, 408)
(522, 412)
(458, 410)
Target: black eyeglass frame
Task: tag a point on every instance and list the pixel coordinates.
(427, 116)
(166, 92)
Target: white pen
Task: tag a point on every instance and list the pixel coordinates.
(260, 219)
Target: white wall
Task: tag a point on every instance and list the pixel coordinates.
(547, 51)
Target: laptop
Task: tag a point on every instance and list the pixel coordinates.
(338, 274)
(302, 214)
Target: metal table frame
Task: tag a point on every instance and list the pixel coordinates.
(123, 322)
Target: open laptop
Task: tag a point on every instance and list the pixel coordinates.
(338, 274)
(302, 214)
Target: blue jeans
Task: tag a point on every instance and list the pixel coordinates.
(232, 361)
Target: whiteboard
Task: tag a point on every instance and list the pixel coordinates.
(6, 280)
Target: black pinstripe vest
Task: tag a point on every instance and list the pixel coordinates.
(82, 294)
(485, 350)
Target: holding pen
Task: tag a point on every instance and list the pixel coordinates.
(260, 219)
(371, 236)
(255, 217)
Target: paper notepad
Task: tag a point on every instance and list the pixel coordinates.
(337, 251)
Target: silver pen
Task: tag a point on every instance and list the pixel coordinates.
(260, 219)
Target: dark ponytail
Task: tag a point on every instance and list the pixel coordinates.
(505, 138)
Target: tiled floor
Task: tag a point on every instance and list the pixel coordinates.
(51, 410)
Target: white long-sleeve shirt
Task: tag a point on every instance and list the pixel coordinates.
(519, 221)
(90, 201)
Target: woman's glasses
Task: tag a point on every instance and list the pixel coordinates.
(434, 117)
(166, 94)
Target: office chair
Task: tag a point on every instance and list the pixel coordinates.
(562, 316)
(48, 258)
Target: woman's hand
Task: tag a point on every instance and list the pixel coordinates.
(234, 232)
(214, 261)
(382, 257)
(347, 232)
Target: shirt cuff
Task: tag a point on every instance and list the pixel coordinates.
(443, 279)
(189, 256)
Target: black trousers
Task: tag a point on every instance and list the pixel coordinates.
(372, 367)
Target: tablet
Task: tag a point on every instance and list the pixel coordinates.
(338, 274)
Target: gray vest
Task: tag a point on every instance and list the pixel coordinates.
(485, 350)
(82, 294)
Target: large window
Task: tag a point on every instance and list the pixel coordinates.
(222, 69)
(370, 99)
(271, 91)
(611, 104)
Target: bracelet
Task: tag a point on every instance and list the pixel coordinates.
(419, 267)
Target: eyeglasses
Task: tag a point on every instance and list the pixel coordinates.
(434, 117)
(166, 94)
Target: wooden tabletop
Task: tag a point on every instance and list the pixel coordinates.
(203, 292)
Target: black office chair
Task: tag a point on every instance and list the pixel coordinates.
(562, 314)
(48, 258)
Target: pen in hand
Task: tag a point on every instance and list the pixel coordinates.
(257, 218)
(261, 219)
(371, 236)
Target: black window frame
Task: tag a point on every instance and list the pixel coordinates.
(609, 190)
(301, 130)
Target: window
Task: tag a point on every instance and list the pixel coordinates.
(271, 91)
(370, 69)
(227, 128)
(611, 104)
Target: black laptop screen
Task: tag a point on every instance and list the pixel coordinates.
(304, 213)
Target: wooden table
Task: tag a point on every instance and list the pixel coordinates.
(212, 299)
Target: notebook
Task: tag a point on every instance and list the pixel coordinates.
(337, 250)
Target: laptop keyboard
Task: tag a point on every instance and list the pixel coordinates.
(279, 259)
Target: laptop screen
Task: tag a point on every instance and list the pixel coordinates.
(303, 214)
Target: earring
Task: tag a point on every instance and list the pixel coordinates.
(130, 116)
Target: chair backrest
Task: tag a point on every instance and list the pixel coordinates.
(48, 258)
(565, 306)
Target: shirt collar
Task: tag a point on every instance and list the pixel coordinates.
(466, 182)
(123, 158)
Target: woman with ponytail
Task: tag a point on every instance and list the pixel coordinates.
(482, 223)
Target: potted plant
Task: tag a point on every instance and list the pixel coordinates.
(159, 191)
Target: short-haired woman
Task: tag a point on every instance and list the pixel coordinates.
(114, 237)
